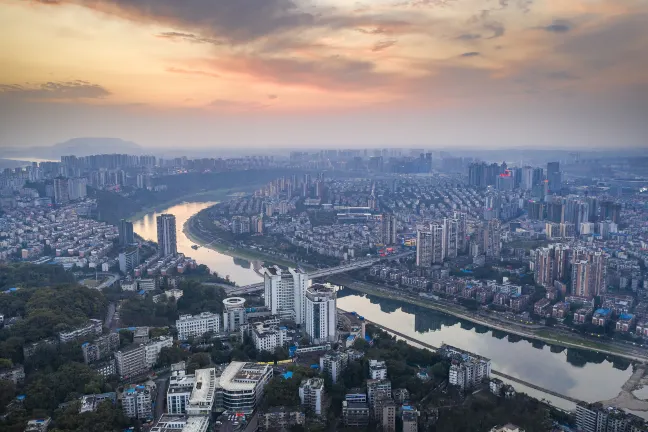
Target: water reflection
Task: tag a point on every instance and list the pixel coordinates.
(225, 265)
(581, 374)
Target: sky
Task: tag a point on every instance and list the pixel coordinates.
(326, 73)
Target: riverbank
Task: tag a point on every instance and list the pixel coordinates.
(545, 336)
(205, 240)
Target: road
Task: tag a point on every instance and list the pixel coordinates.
(112, 278)
(160, 400)
(110, 315)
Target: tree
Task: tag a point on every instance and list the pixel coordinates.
(7, 393)
(170, 355)
(198, 361)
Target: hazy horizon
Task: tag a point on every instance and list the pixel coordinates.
(198, 74)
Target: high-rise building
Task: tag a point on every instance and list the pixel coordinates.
(493, 239)
(588, 273)
(429, 245)
(462, 231)
(197, 325)
(166, 235)
(450, 237)
(554, 176)
(126, 235)
(61, 190)
(313, 396)
(388, 229)
(131, 361)
(100, 348)
(410, 419)
(526, 182)
(466, 370)
(77, 188)
(551, 264)
(377, 386)
(233, 313)
(240, 225)
(285, 292)
(128, 260)
(321, 314)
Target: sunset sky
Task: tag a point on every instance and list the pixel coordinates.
(287, 73)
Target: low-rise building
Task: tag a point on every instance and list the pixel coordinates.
(582, 315)
(560, 310)
(241, 386)
(401, 395)
(179, 392)
(507, 428)
(267, 337)
(197, 325)
(374, 387)
(91, 402)
(410, 419)
(100, 348)
(601, 317)
(93, 327)
(280, 418)
(542, 307)
(625, 322)
(105, 368)
(203, 395)
(38, 425)
(355, 414)
(14, 374)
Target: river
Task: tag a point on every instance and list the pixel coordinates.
(582, 375)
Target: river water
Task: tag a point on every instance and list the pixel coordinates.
(582, 375)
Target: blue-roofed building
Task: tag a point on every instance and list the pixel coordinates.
(625, 323)
(287, 375)
(601, 317)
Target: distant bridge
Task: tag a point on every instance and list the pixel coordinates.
(356, 265)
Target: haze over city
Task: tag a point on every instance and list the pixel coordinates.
(290, 73)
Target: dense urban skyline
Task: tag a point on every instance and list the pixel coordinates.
(542, 73)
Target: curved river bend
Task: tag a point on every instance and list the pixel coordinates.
(584, 376)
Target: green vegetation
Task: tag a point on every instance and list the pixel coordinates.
(285, 391)
(196, 298)
(31, 275)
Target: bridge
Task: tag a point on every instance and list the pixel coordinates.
(356, 265)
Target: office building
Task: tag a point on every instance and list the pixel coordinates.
(388, 229)
(181, 423)
(126, 235)
(137, 402)
(377, 369)
(321, 314)
(128, 260)
(100, 348)
(61, 190)
(493, 238)
(166, 235)
(313, 396)
(233, 313)
(333, 363)
(197, 325)
(285, 292)
(180, 387)
(241, 386)
(203, 396)
(554, 177)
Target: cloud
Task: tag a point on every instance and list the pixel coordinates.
(188, 37)
(559, 27)
(237, 21)
(272, 96)
(68, 90)
(496, 27)
(383, 45)
(469, 36)
(561, 76)
(232, 105)
(192, 72)
(470, 54)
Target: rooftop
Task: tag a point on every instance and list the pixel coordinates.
(242, 376)
(204, 390)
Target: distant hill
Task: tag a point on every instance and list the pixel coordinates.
(75, 146)
(91, 146)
